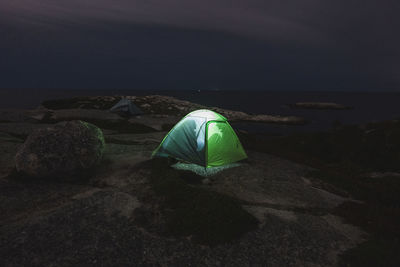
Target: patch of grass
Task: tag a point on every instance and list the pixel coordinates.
(208, 217)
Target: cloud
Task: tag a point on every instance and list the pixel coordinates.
(249, 17)
(332, 22)
(348, 36)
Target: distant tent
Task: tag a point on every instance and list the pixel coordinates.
(203, 137)
(126, 107)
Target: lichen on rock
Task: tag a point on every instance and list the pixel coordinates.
(63, 149)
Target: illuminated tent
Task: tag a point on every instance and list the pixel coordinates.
(126, 107)
(202, 137)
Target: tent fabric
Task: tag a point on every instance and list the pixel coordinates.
(127, 107)
(223, 145)
(202, 137)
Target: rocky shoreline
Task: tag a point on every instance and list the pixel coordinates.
(169, 106)
(121, 211)
(320, 105)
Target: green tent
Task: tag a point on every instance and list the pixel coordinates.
(203, 137)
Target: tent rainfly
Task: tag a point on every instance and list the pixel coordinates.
(203, 137)
(126, 107)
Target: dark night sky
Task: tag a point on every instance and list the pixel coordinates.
(208, 44)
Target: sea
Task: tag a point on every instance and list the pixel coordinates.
(367, 106)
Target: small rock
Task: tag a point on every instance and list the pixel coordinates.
(62, 149)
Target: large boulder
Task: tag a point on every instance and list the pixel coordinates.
(63, 149)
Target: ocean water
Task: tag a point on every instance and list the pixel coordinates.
(367, 106)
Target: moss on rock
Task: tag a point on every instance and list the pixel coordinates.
(62, 149)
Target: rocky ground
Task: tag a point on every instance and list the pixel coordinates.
(98, 219)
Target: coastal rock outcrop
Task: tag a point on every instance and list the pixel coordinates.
(319, 105)
(123, 207)
(152, 105)
(62, 149)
